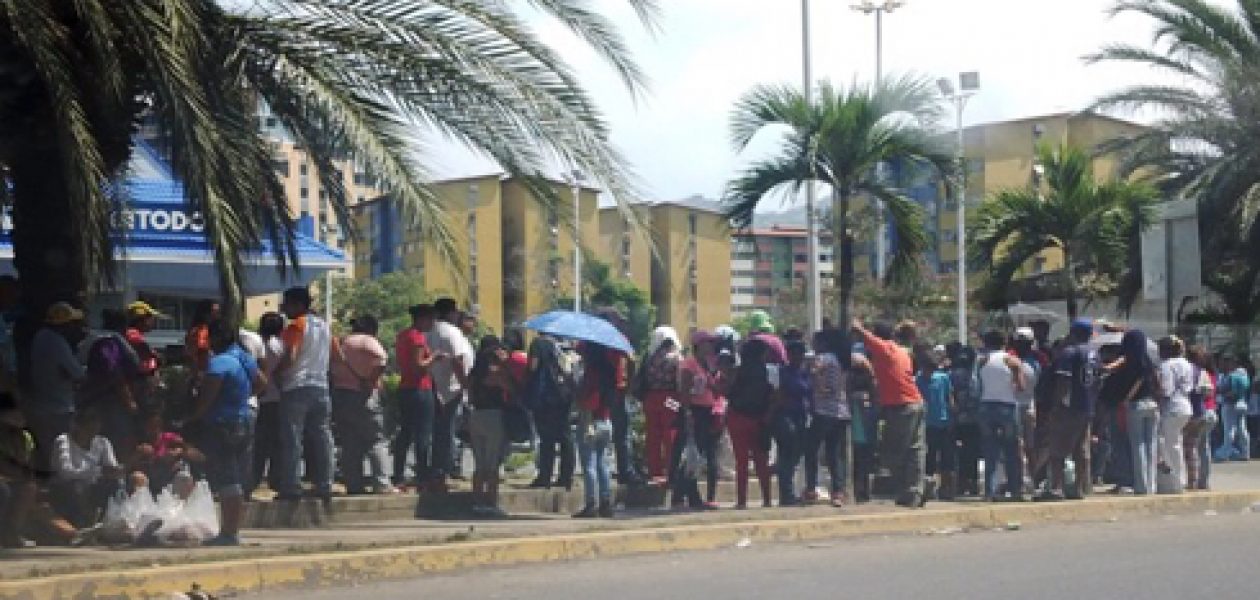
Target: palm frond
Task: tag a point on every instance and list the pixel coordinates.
(911, 240)
(786, 173)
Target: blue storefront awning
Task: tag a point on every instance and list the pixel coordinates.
(163, 248)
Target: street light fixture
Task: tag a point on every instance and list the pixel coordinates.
(968, 86)
(868, 7)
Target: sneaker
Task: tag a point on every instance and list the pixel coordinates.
(223, 540)
(1049, 496)
(589, 512)
(606, 509)
(837, 501)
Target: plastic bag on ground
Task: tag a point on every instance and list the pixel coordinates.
(124, 516)
(186, 522)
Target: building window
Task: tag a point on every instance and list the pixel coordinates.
(745, 256)
(692, 224)
(281, 166)
(302, 169)
(800, 258)
(304, 193)
(271, 122)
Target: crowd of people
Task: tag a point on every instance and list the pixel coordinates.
(294, 406)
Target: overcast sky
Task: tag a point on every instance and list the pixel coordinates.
(709, 52)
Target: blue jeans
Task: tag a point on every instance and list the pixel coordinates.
(1205, 451)
(999, 441)
(1142, 421)
(829, 434)
(592, 450)
(790, 441)
(227, 449)
(306, 431)
(415, 432)
(1237, 442)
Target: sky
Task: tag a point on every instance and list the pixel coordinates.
(707, 53)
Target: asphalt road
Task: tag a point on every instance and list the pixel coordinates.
(1174, 558)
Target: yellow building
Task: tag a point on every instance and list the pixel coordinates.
(388, 244)
(691, 279)
(625, 250)
(1002, 155)
(537, 246)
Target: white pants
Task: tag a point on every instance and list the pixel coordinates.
(1171, 455)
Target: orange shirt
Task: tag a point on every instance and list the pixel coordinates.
(197, 347)
(894, 372)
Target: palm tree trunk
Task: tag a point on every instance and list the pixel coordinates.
(1069, 286)
(843, 247)
(47, 258)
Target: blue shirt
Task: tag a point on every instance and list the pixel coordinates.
(1079, 363)
(236, 368)
(936, 390)
(795, 386)
(1237, 385)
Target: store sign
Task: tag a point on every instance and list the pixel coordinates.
(139, 219)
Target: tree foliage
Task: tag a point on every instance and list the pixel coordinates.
(386, 297)
(372, 80)
(1096, 226)
(839, 140)
(1202, 144)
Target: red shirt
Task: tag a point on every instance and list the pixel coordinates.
(408, 347)
(702, 383)
(590, 396)
(894, 372)
(148, 358)
(518, 367)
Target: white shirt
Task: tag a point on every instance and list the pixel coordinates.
(73, 463)
(310, 367)
(997, 382)
(447, 339)
(253, 344)
(1176, 376)
(1025, 397)
(273, 350)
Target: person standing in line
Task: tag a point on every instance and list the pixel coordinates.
(701, 385)
(1196, 445)
(493, 383)
(49, 400)
(1177, 380)
(830, 414)
(790, 421)
(753, 391)
(1140, 378)
(416, 401)
(141, 319)
(1253, 414)
(660, 386)
(231, 377)
(1023, 346)
(623, 448)
(197, 339)
(1069, 413)
(305, 407)
(594, 428)
(356, 407)
(550, 393)
(901, 410)
(111, 370)
(453, 359)
(265, 451)
(962, 361)
(1232, 394)
(937, 389)
(1001, 376)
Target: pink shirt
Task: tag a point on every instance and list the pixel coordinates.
(363, 355)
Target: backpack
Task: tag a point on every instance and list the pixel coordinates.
(554, 383)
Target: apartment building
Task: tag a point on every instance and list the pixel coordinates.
(767, 261)
(691, 277)
(627, 251)
(388, 243)
(538, 245)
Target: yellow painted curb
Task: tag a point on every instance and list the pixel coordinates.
(318, 570)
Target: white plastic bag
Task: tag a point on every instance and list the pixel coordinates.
(187, 523)
(124, 516)
(201, 515)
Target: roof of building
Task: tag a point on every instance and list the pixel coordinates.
(780, 231)
(1067, 114)
(694, 202)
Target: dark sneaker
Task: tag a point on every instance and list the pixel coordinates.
(589, 512)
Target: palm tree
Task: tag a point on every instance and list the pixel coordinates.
(1096, 227)
(1203, 143)
(368, 79)
(839, 140)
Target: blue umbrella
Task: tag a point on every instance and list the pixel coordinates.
(580, 326)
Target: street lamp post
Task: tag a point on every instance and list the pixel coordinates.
(575, 178)
(968, 86)
(814, 286)
(869, 7)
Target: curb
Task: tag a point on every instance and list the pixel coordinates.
(342, 568)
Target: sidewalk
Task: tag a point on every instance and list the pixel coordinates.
(397, 548)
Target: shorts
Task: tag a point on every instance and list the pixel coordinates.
(227, 448)
(1068, 430)
(488, 438)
